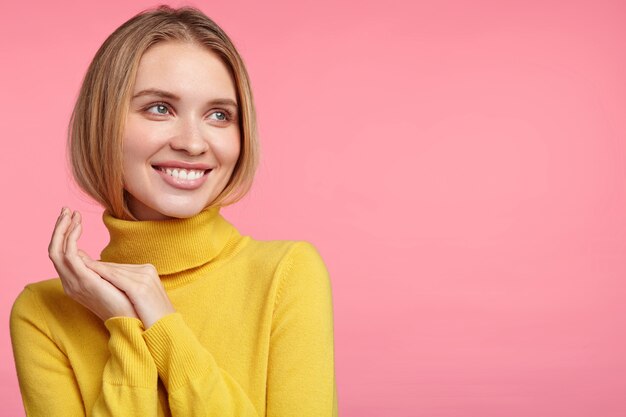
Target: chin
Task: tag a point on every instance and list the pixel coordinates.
(167, 207)
(182, 212)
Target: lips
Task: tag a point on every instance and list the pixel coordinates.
(183, 176)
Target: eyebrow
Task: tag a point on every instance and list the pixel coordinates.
(171, 96)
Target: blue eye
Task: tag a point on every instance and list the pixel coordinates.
(220, 116)
(161, 109)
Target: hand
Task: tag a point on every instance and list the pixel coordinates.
(140, 283)
(79, 282)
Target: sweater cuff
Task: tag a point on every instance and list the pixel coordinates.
(130, 362)
(177, 353)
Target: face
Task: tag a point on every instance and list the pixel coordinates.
(181, 140)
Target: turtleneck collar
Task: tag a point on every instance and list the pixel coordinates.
(170, 245)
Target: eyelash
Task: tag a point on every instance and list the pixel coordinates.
(227, 116)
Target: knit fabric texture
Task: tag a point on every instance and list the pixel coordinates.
(252, 334)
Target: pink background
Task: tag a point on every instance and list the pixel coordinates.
(461, 167)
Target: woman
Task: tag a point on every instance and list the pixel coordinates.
(182, 315)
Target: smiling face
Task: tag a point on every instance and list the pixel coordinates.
(181, 140)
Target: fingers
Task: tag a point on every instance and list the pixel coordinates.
(64, 226)
(127, 267)
(71, 239)
(63, 209)
(80, 282)
(63, 249)
(111, 273)
(77, 259)
(75, 220)
(55, 248)
(126, 277)
(141, 284)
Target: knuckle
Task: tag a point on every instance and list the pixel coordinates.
(111, 273)
(53, 257)
(141, 288)
(149, 269)
(117, 274)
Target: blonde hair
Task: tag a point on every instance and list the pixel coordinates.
(96, 127)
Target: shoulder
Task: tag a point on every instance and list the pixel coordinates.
(40, 299)
(302, 254)
(43, 308)
(304, 291)
(28, 308)
(302, 271)
(284, 254)
(33, 294)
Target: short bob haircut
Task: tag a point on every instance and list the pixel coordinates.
(97, 123)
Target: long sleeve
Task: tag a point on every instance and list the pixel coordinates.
(47, 383)
(252, 335)
(301, 374)
(47, 379)
(300, 381)
(196, 385)
(129, 380)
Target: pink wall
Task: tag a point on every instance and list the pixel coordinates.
(460, 165)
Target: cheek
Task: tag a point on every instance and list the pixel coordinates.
(227, 149)
(130, 157)
(140, 141)
(135, 149)
(131, 141)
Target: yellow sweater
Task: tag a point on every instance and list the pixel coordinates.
(252, 334)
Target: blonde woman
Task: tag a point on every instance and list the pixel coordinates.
(181, 315)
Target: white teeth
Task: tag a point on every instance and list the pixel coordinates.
(183, 174)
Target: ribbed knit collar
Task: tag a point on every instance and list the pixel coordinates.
(170, 245)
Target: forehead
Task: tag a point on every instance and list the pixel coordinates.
(185, 69)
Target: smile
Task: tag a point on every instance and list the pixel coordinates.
(183, 174)
(183, 178)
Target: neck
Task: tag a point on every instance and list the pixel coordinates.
(173, 245)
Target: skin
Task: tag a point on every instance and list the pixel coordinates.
(194, 127)
(198, 125)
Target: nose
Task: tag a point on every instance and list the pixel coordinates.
(190, 138)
